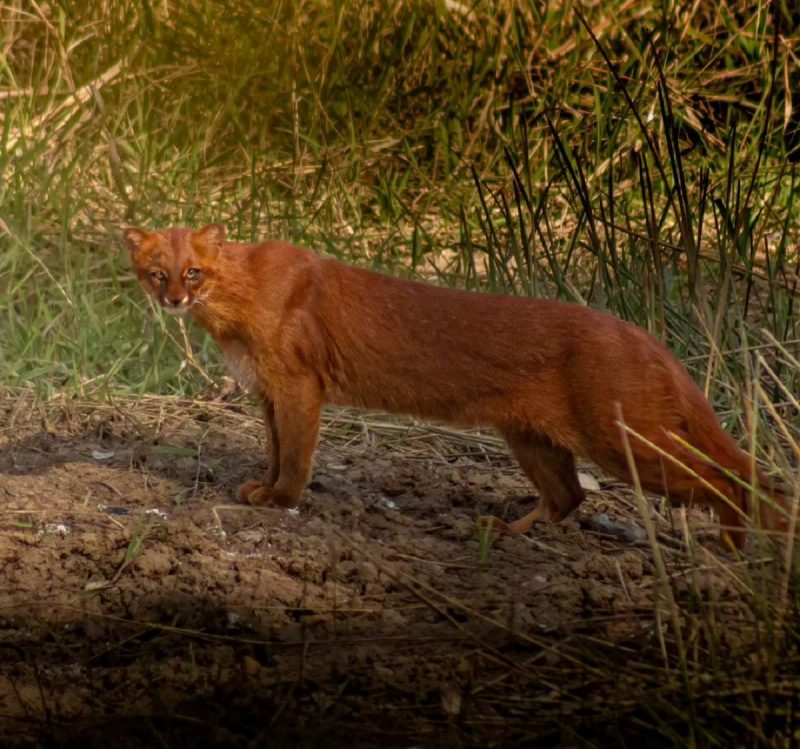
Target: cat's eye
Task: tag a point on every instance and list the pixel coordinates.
(158, 275)
(192, 274)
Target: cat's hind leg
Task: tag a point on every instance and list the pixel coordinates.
(552, 470)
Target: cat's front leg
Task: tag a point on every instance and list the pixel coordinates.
(273, 453)
(273, 442)
(293, 419)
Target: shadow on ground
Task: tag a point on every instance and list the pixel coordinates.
(137, 602)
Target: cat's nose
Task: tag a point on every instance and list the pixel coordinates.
(176, 301)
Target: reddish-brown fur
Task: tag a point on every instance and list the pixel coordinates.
(551, 377)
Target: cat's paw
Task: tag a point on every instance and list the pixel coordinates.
(246, 489)
(257, 494)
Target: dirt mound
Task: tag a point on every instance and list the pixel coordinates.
(138, 601)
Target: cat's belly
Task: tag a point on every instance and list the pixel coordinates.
(241, 366)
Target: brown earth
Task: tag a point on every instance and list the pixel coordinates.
(139, 604)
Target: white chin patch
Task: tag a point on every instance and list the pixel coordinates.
(176, 311)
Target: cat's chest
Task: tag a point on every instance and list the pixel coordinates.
(241, 365)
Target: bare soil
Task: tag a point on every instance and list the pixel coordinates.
(140, 606)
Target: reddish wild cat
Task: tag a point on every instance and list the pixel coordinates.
(552, 377)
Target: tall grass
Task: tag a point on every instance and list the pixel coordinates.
(629, 159)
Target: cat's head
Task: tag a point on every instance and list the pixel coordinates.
(176, 267)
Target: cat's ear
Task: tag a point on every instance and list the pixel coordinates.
(135, 238)
(210, 238)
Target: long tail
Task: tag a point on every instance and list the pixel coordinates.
(746, 491)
